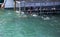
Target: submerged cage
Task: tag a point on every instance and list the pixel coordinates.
(38, 6)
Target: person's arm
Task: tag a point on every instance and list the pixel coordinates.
(3, 4)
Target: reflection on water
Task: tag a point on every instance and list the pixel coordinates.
(12, 25)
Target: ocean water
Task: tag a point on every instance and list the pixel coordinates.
(13, 24)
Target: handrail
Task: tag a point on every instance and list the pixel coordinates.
(28, 4)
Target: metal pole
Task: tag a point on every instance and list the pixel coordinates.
(47, 1)
(40, 7)
(19, 7)
(24, 4)
(15, 6)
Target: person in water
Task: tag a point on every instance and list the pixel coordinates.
(7, 4)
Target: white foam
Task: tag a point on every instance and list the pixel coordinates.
(9, 13)
(35, 15)
(42, 17)
(22, 13)
(18, 12)
(47, 18)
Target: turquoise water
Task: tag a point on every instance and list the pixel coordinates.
(13, 25)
